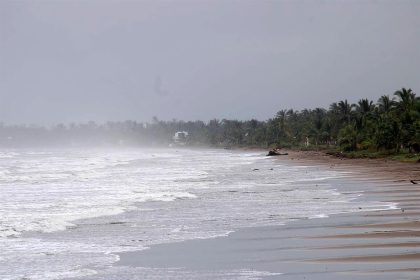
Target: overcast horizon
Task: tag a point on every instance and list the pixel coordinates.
(79, 61)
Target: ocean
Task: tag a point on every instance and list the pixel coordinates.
(67, 213)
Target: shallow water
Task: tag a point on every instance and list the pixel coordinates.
(67, 213)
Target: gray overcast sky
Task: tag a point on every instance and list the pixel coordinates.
(65, 61)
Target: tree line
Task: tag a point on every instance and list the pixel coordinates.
(391, 124)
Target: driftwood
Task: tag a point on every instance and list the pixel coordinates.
(276, 152)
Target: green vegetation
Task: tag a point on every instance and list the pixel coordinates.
(388, 128)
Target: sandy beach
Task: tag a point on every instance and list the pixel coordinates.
(358, 245)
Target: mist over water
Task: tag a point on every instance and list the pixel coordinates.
(68, 212)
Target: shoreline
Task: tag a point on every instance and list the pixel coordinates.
(381, 169)
(359, 245)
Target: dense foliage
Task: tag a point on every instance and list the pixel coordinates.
(390, 124)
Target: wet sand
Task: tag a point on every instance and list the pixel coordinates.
(360, 245)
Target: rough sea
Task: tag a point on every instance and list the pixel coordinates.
(67, 213)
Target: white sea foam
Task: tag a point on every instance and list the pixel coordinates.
(113, 201)
(41, 192)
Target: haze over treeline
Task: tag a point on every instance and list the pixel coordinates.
(391, 124)
(100, 60)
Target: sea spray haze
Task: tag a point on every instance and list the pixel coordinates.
(68, 212)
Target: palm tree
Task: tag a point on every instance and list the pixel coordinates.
(407, 99)
(345, 110)
(281, 117)
(318, 117)
(364, 107)
(407, 115)
(386, 104)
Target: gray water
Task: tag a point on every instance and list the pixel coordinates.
(68, 213)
